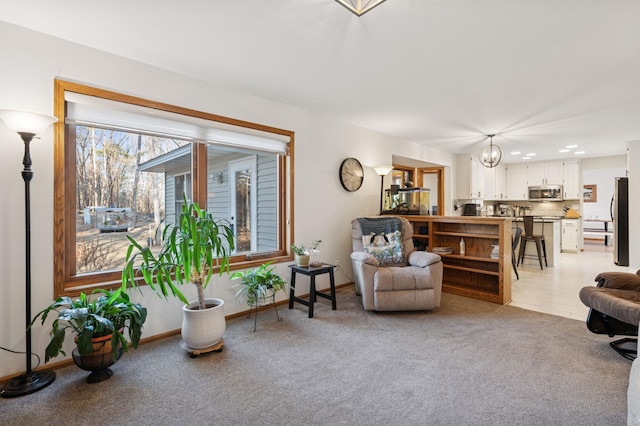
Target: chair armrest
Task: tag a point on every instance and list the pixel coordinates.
(422, 259)
(363, 257)
(619, 280)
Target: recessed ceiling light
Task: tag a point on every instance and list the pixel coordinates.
(526, 158)
(530, 155)
(572, 146)
(579, 152)
(515, 153)
(564, 150)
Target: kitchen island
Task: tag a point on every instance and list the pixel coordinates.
(550, 227)
(475, 273)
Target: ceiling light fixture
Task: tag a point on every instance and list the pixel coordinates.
(564, 150)
(491, 155)
(360, 7)
(572, 146)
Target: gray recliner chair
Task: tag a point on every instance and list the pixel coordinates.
(615, 309)
(389, 274)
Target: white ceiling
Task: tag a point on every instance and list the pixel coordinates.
(542, 74)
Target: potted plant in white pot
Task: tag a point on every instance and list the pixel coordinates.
(97, 324)
(192, 248)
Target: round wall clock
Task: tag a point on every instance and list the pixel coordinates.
(351, 174)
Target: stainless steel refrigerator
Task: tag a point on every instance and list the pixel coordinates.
(620, 216)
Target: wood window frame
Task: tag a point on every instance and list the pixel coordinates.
(66, 281)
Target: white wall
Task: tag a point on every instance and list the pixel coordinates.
(601, 172)
(323, 210)
(633, 165)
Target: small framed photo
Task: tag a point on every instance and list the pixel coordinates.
(590, 193)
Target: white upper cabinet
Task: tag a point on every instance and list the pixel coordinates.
(550, 173)
(496, 183)
(517, 186)
(501, 182)
(571, 175)
(470, 177)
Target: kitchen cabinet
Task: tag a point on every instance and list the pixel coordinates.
(517, 187)
(570, 234)
(496, 183)
(471, 178)
(571, 177)
(548, 173)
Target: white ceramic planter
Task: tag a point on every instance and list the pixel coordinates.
(202, 329)
(302, 260)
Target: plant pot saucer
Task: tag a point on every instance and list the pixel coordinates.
(195, 352)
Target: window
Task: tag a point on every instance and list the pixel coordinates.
(125, 165)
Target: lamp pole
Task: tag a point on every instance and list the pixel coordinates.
(382, 170)
(27, 125)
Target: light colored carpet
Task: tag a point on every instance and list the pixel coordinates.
(466, 363)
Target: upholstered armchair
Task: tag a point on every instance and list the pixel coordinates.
(389, 274)
(615, 308)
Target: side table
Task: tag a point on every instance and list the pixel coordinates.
(311, 272)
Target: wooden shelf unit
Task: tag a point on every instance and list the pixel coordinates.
(474, 274)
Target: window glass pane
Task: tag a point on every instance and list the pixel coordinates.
(243, 189)
(120, 192)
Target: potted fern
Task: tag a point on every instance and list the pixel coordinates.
(192, 249)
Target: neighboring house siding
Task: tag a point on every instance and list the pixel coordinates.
(169, 199)
(218, 193)
(267, 203)
(218, 199)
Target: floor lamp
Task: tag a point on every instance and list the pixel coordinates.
(27, 125)
(382, 170)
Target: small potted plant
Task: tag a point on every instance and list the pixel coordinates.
(97, 324)
(257, 284)
(301, 254)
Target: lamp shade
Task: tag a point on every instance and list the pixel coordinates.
(25, 121)
(383, 170)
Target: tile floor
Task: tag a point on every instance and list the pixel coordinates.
(555, 290)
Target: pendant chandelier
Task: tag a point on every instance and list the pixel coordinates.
(491, 155)
(360, 7)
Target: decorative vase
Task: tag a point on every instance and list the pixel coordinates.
(314, 258)
(202, 329)
(302, 260)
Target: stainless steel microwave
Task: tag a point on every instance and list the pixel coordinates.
(545, 193)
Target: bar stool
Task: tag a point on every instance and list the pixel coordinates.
(515, 240)
(528, 235)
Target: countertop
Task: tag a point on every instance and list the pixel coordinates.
(536, 218)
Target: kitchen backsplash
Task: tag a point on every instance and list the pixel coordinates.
(510, 208)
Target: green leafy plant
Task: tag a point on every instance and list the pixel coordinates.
(191, 249)
(301, 250)
(256, 283)
(87, 317)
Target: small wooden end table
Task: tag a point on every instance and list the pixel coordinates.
(312, 272)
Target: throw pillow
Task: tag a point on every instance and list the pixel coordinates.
(386, 247)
